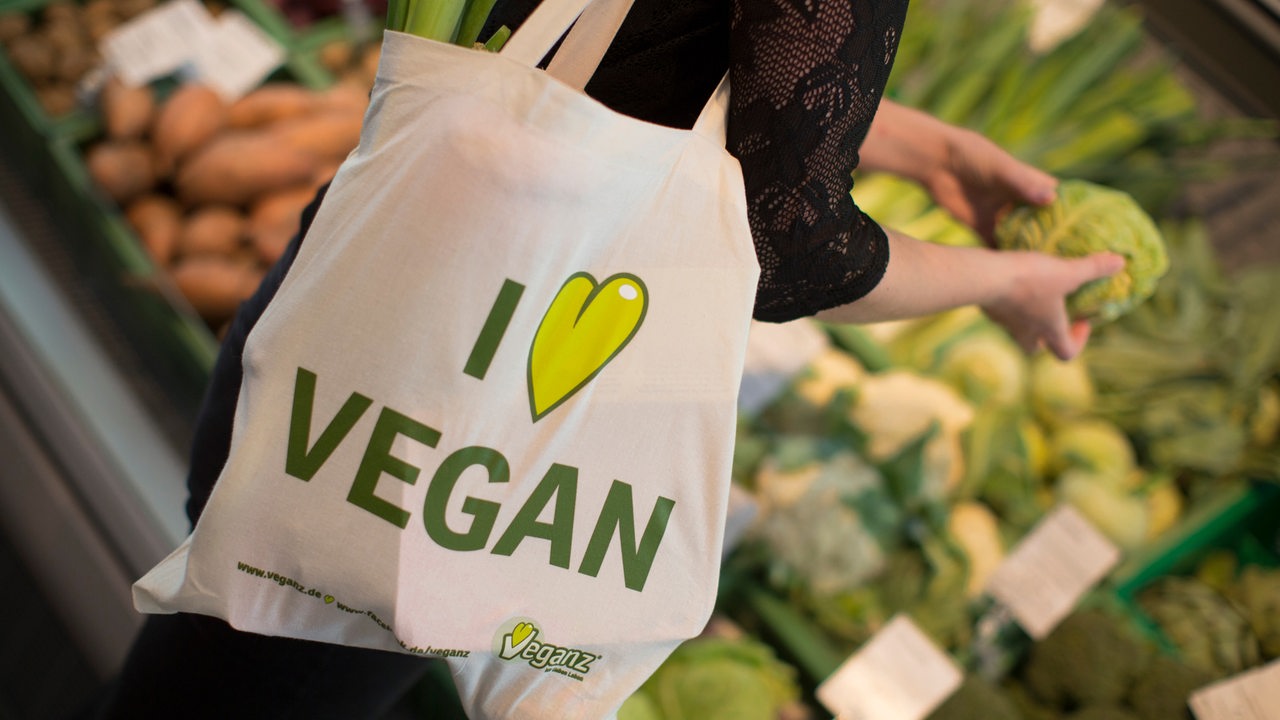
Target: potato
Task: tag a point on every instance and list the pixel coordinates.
(239, 166)
(328, 135)
(122, 168)
(346, 96)
(271, 103)
(212, 230)
(126, 111)
(215, 286)
(158, 221)
(33, 57)
(191, 116)
(72, 65)
(13, 24)
(275, 219)
(57, 99)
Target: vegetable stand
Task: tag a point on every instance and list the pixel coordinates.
(931, 501)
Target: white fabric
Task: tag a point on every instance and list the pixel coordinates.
(476, 173)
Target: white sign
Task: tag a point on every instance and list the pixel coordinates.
(898, 675)
(229, 53)
(1252, 695)
(236, 57)
(1055, 564)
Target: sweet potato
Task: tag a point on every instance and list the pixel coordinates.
(271, 103)
(240, 166)
(126, 111)
(191, 116)
(212, 230)
(158, 220)
(122, 168)
(328, 135)
(215, 286)
(275, 219)
(348, 95)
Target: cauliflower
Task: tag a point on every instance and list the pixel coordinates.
(1122, 517)
(1096, 445)
(986, 367)
(1084, 219)
(820, 523)
(1059, 390)
(896, 407)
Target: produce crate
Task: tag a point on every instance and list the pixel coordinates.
(107, 257)
(1244, 520)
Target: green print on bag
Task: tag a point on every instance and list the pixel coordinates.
(586, 325)
(557, 490)
(519, 639)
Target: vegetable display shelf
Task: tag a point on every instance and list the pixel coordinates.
(47, 152)
(1244, 521)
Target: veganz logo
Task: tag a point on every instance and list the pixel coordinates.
(517, 639)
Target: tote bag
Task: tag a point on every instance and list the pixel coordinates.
(489, 416)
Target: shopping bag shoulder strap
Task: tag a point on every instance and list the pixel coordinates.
(576, 60)
(597, 22)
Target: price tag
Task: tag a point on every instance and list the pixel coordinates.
(1055, 564)
(231, 54)
(158, 42)
(898, 675)
(236, 56)
(1252, 695)
(775, 353)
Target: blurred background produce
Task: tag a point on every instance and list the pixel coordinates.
(893, 475)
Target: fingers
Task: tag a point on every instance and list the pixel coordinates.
(1031, 184)
(1097, 266)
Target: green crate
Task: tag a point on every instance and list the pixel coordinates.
(1245, 520)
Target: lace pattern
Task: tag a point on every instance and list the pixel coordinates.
(807, 77)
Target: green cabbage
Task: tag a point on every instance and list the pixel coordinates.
(1086, 219)
(716, 679)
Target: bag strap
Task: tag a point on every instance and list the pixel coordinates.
(580, 53)
(548, 23)
(597, 22)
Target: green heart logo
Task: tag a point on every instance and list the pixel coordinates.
(586, 326)
(328, 599)
(520, 632)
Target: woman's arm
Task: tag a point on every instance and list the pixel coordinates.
(1023, 291)
(967, 174)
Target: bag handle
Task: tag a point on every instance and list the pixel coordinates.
(585, 45)
(597, 22)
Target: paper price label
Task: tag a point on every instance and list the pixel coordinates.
(230, 53)
(898, 675)
(236, 57)
(1252, 695)
(1055, 564)
(158, 42)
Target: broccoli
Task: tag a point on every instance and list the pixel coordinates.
(1161, 692)
(1091, 658)
(1102, 712)
(976, 698)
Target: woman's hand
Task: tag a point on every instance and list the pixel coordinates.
(978, 181)
(1030, 304)
(967, 174)
(1023, 291)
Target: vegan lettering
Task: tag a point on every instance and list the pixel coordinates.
(557, 490)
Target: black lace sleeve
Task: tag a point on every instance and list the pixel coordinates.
(806, 77)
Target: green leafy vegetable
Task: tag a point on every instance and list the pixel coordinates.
(1087, 218)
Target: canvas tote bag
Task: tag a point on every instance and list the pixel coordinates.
(489, 416)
